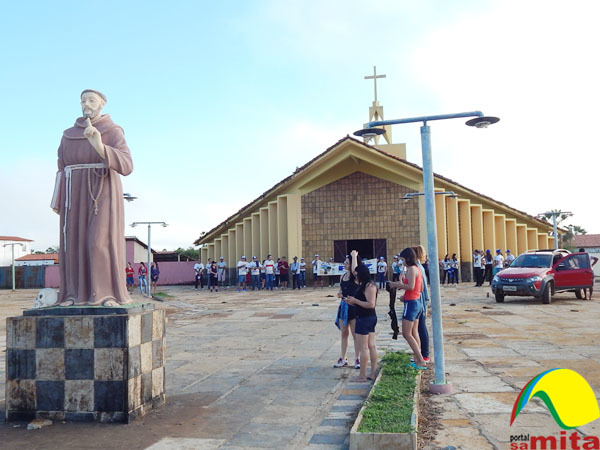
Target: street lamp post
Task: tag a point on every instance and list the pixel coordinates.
(480, 121)
(12, 245)
(554, 215)
(133, 225)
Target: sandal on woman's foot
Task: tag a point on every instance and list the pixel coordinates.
(358, 380)
(414, 366)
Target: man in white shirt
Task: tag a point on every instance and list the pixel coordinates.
(269, 272)
(242, 267)
(315, 265)
(221, 271)
(498, 262)
(509, 258)
(198, 268)
(396, 269)
(381, 272)
(302, 273)
(477, 268)
(255, 273)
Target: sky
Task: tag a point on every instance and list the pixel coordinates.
(221, 100)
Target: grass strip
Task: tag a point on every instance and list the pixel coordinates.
(162, 294)
(390, 407)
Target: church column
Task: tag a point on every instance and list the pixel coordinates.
(477, 227)
(282, 230)
(204, 254)
(218, 248)
(211, 250)
(233, 257)
(239, 241)
(294, 226)
(532, 239)
(256, 235)
(452, 226)
(500, 229)
(542, 240)
(511, 236)
(489, 234)
(273, 236)
(264, 233)
(440, 218)
(466, 241)
(247, 227)
(521, 238)
(423, 219)
(225, 248)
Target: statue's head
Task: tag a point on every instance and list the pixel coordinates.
(92, 103)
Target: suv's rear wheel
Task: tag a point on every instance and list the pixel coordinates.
(547, 295)
(499, 297)
(578, 294)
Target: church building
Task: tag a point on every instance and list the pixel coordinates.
(354, 196)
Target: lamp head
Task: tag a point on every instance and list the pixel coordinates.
(164, 225)
(482, 122)
(133, 225)
(369, 133)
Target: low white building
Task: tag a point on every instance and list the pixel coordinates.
(20, 250)
(591, 244)
(46, 259)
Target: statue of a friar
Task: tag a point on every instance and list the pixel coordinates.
(89, 198)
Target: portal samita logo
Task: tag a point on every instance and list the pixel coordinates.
(572, 403)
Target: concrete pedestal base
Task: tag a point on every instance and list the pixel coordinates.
(85, 363)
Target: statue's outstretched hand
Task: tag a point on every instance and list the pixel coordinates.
(94, 137)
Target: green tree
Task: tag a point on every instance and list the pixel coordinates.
(190, 252)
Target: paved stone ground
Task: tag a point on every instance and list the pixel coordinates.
(254, 370)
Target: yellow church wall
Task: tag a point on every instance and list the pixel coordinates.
(511, 235)
(282, 226)
(218, 252)
(225, 248)
(477, 227)
(532, 238)
(264, 233)
(247, 238)
(542, 240)
(239, 240)
(522, 245)
(273, 230)
(211, 251)
(466, 237)
(204, 254)
(489, 232)
(423, 223)
(232, 240)
(256, 236)
(452, 225)
(294, 221)
(440, 217)
(500, 230)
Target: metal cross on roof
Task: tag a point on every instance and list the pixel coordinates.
(374, 78)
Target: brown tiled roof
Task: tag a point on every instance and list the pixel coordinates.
(39, 257)
(14, 238)
(586, 240)
(299, 170)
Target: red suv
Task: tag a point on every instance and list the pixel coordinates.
(542, 273)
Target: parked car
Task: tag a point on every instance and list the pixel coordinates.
(543, 273)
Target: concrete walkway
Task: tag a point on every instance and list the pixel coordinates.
(254, 370)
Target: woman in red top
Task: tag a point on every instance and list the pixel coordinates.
(412, 283)
(129, 274)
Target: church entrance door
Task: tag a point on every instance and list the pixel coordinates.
(367, 248)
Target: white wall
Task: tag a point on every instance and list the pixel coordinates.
(6, 252)
(595, 251)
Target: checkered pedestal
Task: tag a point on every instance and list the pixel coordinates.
(85, 363)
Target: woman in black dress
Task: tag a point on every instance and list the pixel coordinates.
(365, 300)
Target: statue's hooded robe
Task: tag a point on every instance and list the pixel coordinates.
(92, 243)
